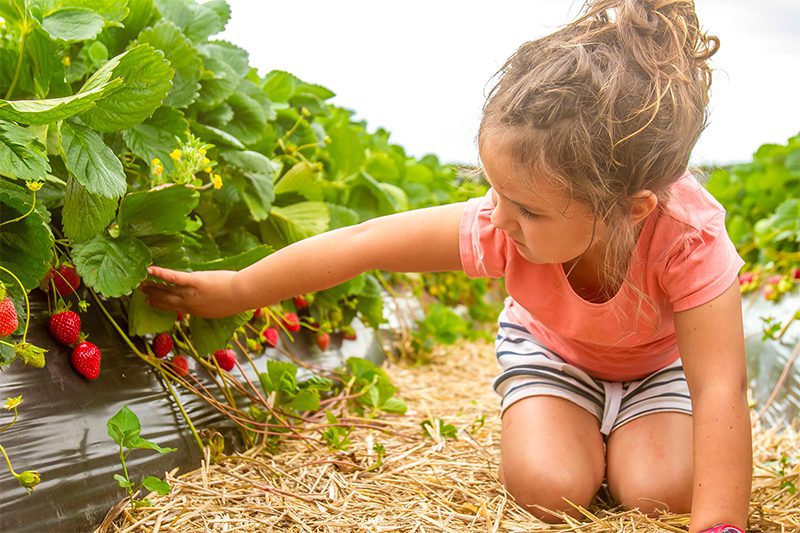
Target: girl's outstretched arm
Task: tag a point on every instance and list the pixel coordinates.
(423, 240)
(711, 343)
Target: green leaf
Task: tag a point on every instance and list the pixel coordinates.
(301, 220)
(22, 155)
(183, 57)
(198, 21)
(124, 427)
(302, 179)
(157, 136)
(73, 24)
(157, 211)
(280, 376)
(252, 176)
(147, 80)
(110, 10)
(168, 250)
(153, 484)
(46, 64)
(91, 161)
(145, 444)
(226, 64)
(122, 482)
(25, 245)
(341, 216)
(144, 319)
(236, 262)
(210, 335)
(346, 149)
(85, 214)
(394, 405)
(306, 400)
(113, 267)
(251, 109)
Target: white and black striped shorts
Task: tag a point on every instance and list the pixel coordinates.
(530, 369)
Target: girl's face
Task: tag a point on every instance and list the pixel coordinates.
(546, 225)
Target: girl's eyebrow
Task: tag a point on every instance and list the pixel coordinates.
(531, 209)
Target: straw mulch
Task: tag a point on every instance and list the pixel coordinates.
(423, 484)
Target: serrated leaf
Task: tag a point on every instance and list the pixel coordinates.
(144, 319)
(394, 405)
(22, 155)
(183, 57)
(85, 214)
(159, 486)
(113, 267)
(280, 376)
(235, 262)
(145, 444)
(91, 161)
(124, 427)
(168, 250)
(147, 80)
(110, 10)
(156, 211)
(227, 64)
(306, 400)
(346, 149)
(25, 245)
(251, 110)
(210, 133)
(73, 24)
(197, 21)
(252, 176)
(210, 335)
(157, 136)
(301, 220)
(302, 179)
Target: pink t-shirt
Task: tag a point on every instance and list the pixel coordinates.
(683, 258)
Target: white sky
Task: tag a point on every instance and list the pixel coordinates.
(420, 69)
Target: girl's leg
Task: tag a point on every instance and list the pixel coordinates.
(650, 463)
(550, 448)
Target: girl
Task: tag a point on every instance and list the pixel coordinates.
(621, 342)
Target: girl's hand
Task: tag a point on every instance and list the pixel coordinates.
(208, 294)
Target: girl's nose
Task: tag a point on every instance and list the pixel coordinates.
(501, 219)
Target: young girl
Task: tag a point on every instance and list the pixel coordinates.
(621, 342)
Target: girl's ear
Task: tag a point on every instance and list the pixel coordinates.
(643, 203)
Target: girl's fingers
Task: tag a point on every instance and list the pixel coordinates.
(164, 299)
(173, 276)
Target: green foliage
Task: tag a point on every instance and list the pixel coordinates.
(124, 429)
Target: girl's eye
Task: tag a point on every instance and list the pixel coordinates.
(527, 214)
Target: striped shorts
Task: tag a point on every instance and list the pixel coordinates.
(530, 369)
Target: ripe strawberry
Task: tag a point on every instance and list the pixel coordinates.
(8, 317)
(180, 365)
(323, 340)
(180, 316)
(270, 336)
(349, 333)
(746, 277)
(291, 322)
(65, 327)
(66, 279)
(226, 359)
(162, 345)
(300, 302)
(796, 273)
(85, 360)
(258, 313)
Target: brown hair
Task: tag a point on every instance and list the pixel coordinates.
(607, 106)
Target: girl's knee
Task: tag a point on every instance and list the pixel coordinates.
(652, 493)
(548, 488)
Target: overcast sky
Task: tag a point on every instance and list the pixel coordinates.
(420, 69)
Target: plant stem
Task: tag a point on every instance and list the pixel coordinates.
(183, 411)
(24, 29)
(33, 206)
(125, 471)
(8, 461)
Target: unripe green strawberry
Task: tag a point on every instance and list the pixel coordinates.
(349, 333)
(291, 322)
(162, 345)
(254, 346)
(226, 359)
(66, 279)
(270, 336)
(85, 360)
(323, 340)
(180, 365)
(65, 327)
(8, 317)
(29, 479)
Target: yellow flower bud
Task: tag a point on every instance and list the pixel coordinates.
(12, 403)
(175, 154)
(67, 61)
(217, 181)
(207, 170)
(34, 185)
(206, 161)
(202, 151)
(156, 161)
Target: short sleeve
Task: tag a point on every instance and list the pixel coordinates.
(702, 266)
(482, 246)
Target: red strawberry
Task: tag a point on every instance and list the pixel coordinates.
(349, 333)
(796, 273)
(8, 317)
(162, 345)
(66, 280)
(180, 365)
(258, 313)
(323, 340)
(300, 302)
(180, 316)
(291, 322)
(226, 359)
(65, 327)
(85, 360)
(270, 336)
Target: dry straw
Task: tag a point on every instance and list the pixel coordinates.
(423, 484)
